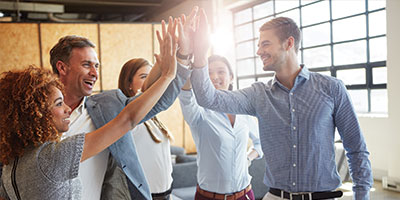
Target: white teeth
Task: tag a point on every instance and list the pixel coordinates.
(66, 119)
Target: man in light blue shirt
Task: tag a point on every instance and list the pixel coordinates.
(297, 112)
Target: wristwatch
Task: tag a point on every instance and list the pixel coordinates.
(183, 57)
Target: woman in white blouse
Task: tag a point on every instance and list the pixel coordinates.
(221, 141)
(151, 138)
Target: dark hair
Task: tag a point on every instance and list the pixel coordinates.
(215, 58)
(62, 50)
(25, 117)
(284, 28)
(127, 72)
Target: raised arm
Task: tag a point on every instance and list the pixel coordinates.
(131, 115)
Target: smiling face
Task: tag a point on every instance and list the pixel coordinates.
(80, 72)
(59, 110)
(271, 51)
(139, 77)
(219, 75)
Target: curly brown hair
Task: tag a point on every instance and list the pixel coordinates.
(25, 117)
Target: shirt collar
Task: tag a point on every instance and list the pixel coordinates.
(81, 106)
(305, 73)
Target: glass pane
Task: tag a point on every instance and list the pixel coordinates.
(285, 5)
(360, 100)
(244, 50)
(245, 67)
(350, 53)
(379, 101)
(379, 75)
(243, 83)
(258, 24)
(316, 35)
(293, 14)
(263, 10)
(244, 32)
(376, 4)
(377, 23)
(317, 57)
(342, 8)
(377, 49)
(327, 73)
(351, 76)
(348, 29)
(320, 9)
(243, 16)
(304, 2)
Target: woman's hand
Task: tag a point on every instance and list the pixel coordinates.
(168, 59)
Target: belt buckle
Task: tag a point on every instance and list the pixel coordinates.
(227, 195)
(302, 195)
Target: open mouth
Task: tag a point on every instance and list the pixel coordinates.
(89, 83)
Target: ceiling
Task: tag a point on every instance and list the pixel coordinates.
(84, 10)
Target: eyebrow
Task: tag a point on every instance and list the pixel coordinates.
(59, 98)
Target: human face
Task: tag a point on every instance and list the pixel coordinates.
(81, 72)
(139, 77)
(271, 51)
(59, 110)
(219, 75)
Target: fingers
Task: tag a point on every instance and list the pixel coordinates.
(180, 27)
(183, 18)
(203, 22)
(158, 58)
(163, 28)
(193, 13)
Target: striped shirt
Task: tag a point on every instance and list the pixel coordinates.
(297, 129)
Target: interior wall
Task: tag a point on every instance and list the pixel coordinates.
(30, 43)
(19, 46)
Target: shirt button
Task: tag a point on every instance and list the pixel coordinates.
(294, 183)
(294, 164)
(291, 93)
(294, 128)
(294, 146)
(293, 110)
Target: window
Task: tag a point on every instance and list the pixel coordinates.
(344, 39)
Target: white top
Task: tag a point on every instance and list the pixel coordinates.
(92, 170)
(154, 157)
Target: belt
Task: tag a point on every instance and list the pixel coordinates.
(163, 194)
(305, 195)
(233, 196)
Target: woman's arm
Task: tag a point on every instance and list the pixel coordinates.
(103, 137)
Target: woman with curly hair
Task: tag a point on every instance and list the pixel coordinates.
(37, 165)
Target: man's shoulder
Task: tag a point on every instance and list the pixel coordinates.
(110, 95)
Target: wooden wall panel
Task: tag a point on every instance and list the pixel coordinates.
(51, 33)
(120, 43)
(19, 44)
(173, 119)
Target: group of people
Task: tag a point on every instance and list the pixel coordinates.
(60, 142)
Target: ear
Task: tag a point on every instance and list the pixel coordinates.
(289, 43)
(61, 67)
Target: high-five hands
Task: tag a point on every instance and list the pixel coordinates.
(201, 40)
(168, 48)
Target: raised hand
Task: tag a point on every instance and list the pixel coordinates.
(201, 40)
(168, 59)
(186, 28)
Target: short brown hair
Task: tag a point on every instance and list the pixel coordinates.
(62, 50)
(284, 28)
(25, 117)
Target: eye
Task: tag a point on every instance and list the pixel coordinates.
(143, 76)
(58, 104)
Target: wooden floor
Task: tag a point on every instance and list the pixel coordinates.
(377, 192)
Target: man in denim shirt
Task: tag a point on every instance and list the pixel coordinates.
(297, 111)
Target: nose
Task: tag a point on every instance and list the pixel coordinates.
(259, 51)
(94, 71)
(213, 76)
(67, 109)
